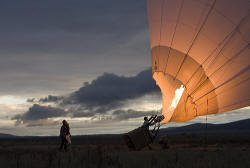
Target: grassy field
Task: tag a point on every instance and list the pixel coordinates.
(185, 150)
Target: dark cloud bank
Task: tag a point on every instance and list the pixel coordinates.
(107, 93)
(40, 114)
(44, 39)
(110, 89)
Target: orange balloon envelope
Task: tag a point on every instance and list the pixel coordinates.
(200, 55)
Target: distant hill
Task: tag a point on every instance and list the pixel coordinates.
(241, 126)
(6, 135)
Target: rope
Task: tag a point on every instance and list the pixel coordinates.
(153, 86)
(157, 130)
(242, 71)
(176, 25)
(159, 50)
(158, 57)
(227, 106)
(197, 69)
(237, 54)
(203, 24)
(229, 60)
(229, 35)
(206, 125)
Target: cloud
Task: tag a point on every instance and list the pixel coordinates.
(108, 94)
(128, 114)
(30, 100)
(121, 115)
(111, 89)
(41, 122)
(51, 98)
(38, 113)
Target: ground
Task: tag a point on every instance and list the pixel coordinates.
(183, 150)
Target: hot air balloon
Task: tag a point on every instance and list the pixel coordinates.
(200, 59)
(200, 56)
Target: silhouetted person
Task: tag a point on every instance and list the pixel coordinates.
(164, 142)
(148, 122)
(65, 135)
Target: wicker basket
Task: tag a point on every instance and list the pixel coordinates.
(138, 138)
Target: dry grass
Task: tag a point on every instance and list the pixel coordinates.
(88, 153)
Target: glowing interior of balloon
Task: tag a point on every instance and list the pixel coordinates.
(170, 110)
(177, 97)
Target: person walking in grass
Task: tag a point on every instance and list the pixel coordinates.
(65, 135)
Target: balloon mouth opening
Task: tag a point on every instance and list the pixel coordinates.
(172, 90)
(177, 96)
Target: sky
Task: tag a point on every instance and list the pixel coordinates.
(85, 61)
